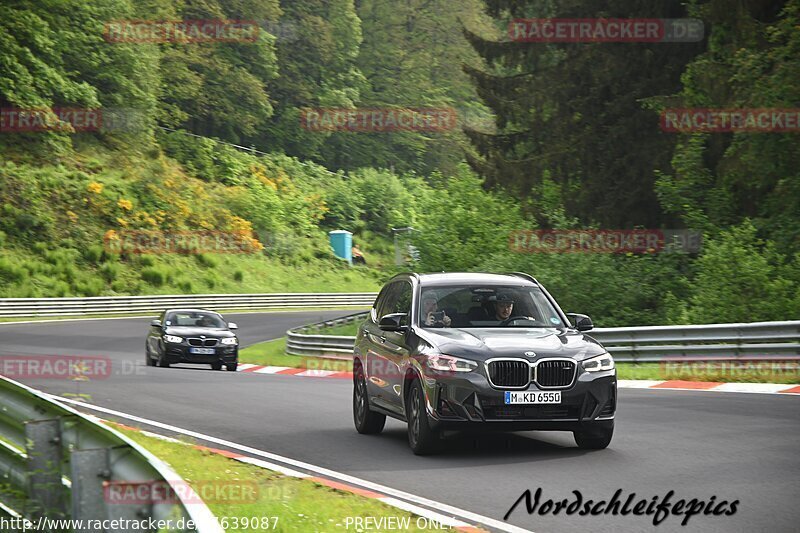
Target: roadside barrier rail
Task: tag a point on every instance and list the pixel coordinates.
(304, 341)
(102, 305)
(704, 342)
(57, 463)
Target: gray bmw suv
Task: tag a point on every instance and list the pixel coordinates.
(456, 351)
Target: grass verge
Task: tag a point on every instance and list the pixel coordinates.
(298, 504)
(274, 353)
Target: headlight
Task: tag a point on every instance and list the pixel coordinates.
(599, 363)
(173, 338)
(229, 340)
(448, 363)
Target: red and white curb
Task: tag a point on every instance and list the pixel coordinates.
(289, 371)
(711, 386)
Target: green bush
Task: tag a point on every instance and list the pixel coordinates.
(238, 275)
(110, 271)
(207, 260)
(93, 253)
(11, 272)
(156, 276)
(741, 279)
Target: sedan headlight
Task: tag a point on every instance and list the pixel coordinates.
(173, 338)
(599, 363)
(448, 363)
(229, 340)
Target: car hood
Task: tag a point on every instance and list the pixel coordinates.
(482, 344)
(185, 331)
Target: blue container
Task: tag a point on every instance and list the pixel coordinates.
(342, 244)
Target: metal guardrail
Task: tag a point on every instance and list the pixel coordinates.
(303, 341)
(755, 340)
(101, 305)
(58, 463)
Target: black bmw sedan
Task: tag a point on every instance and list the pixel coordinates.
(192, 336)
(456, 351)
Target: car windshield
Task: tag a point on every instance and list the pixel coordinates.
(486, 306)
(195, 319)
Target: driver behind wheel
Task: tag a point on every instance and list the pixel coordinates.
(503, 306)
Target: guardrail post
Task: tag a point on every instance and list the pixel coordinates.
(45, 455)
(90, 468)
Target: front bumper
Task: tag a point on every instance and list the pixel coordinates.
(464, 401)
(179, 353)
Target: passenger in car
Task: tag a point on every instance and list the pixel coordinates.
(433, 317)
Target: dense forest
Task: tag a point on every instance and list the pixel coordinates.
(557, 135)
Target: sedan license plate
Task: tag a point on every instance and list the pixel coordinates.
(534, 397)
(202, 351)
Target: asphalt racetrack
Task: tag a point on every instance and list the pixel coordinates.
(733, 446)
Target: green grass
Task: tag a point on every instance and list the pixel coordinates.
(697, 372)
(26, 274)
(299, 504)
(273, 353)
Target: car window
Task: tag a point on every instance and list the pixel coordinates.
(195, 319)
(481, 306)
(380, 303)
(388, 300)
(402, 301)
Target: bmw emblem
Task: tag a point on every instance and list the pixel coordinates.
(530, 354)
(202, 336)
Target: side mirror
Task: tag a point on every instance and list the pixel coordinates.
(582, 322)
(232, 325)
(155, 323)
(393, 322)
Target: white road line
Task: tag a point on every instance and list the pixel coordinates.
(346, 478)
(637, 383)
(270, 370)
(752, 387)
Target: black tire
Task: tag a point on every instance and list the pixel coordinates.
(596, 436)
(422, 439)
(216, 366)
(367, 422)
(147, 359)
(231, 367)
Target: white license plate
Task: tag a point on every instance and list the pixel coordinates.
(533, 397)
(202, 351)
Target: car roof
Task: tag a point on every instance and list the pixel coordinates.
(459, 278)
